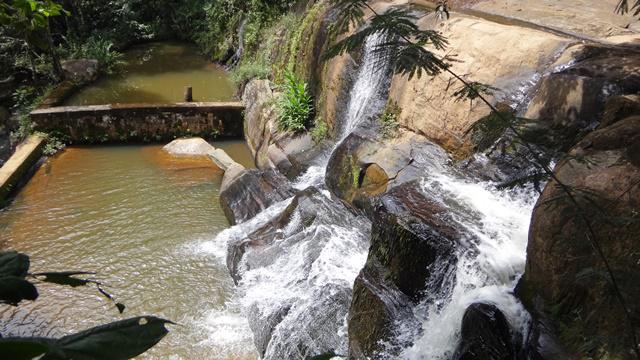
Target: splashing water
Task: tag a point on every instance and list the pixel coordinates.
(488, 269)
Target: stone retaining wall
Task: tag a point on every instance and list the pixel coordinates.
(140, 122)
(25, 156)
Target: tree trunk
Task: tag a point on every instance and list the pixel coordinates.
(57, 68)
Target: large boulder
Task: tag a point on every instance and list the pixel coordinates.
(577, 243)
(485, 335)
(492, 53)
(81, 70)
(364, 165)
(189, 147)
(405, 222)
(252, 191)
(259, 119)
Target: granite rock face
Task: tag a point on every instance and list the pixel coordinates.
(565, 279)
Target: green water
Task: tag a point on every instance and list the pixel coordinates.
(158, 73)
(141, 219)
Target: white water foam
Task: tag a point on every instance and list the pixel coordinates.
(365, 100)
(487, 271)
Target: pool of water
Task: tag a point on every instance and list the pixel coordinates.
(140, 218)
(159, 73)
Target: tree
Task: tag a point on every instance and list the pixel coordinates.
(123, 339)
(30, 21)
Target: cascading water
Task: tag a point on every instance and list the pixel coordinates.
(301, 256)
(367, 98)
(489, 265)
(295, 288)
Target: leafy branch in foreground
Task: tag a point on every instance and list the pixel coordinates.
(409, 56)
(123, 339)
(623, 7)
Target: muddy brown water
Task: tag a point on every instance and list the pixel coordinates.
(139, 217)
(159, 73)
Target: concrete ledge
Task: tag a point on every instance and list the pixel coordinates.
(141, 122)
(25, 156)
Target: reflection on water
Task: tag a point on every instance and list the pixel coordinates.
(138, 217)
(158, 73)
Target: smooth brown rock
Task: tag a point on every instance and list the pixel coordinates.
(189, 147)
(565, 277)
(251, 192)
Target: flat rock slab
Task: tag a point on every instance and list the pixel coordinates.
(589, 18)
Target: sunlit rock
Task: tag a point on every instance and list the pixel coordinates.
(189, 147)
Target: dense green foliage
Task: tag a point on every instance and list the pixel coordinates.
(123, 339)
(295, 105)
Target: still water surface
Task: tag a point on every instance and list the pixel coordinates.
(158, 73)
(139, 218)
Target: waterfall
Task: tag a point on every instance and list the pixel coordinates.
(367, 98)
(295, 288)
(296, 285)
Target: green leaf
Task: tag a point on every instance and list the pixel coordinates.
(23, 348)
(13, 263)
(14, 289)
(118, 340)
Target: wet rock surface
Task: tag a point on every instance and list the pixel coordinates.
(565, 278)
(251, 192)
(405, 222)
(591, 86)
(485, 335)
(304, 311)
(364, 165)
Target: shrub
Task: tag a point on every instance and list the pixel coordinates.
(247, 71)
(320, 131)
(295, 104)
(389, 120)
(99, 49)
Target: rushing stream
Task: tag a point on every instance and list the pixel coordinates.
(138, 217)
(302, 276)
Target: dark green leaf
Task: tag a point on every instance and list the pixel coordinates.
(23, 348)
(326, 356)
(14, 289)
(118, 340)
(13, 263)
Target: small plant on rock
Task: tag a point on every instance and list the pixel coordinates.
(320, 131)
(295, 105)
(389, 120)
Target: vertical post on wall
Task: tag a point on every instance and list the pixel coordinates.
(188, 94)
